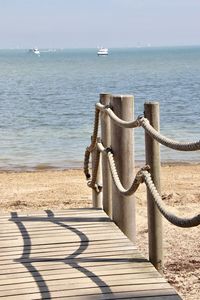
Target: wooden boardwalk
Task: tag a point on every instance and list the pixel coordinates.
(77, 254)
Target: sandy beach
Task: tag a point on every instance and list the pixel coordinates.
(44, 189)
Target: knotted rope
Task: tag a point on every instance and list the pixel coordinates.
(92, 183)
(92, 146)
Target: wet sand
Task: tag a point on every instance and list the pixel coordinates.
(49, 189)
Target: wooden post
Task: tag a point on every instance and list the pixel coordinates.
(97, 196)
(151, 110)
(122, 146)
(106, 141)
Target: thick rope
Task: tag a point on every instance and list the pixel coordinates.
(117, 120)
(136, 182)
(144, 176)
(93, 182)
(166, 141)
(175, 220)
(141, 121)
(92, 145)
(120, 122)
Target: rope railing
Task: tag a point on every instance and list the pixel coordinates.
(172, 218)
(92, 183)
(166, 141)
(92, 146)
(121, 123)
(144, 176)
(144, 122)
(140, 121)
(122, 148)
(137, 180)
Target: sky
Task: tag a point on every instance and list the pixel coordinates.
(93, 23)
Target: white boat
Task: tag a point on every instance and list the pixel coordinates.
(102, 51)
(35, 51)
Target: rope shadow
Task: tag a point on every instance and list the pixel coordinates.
(84, 243)
(26, 255)
(72, 260)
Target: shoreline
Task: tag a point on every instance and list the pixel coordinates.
(45, 167)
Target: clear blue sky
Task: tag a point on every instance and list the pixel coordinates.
(92, 23)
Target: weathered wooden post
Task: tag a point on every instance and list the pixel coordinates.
(151, 110)
(106, 141)
(122, 146)
(97, 196)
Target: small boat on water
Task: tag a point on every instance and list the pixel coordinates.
(35, 51)
(102, 51)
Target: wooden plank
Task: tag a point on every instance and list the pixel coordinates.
(51, 226)
(64, 253)
(166, 296)
(73, 287)
(70, 238)
(69, 273)
(11, 244)
(55, 232)
(19, 268)
(51, 246)
(64, 250)
(68, 260)
(96, 293)
(82, 283)
(45, 265)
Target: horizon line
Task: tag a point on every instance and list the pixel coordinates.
(111, 47)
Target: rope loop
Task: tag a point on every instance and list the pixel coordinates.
(140, 119)
(92, 146)
(107, 106)
(108, 150)
(139, 176)
(92, 183)
(96, 187)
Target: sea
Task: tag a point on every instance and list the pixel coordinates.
(47, 102)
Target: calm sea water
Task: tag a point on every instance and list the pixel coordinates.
(47, 102)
